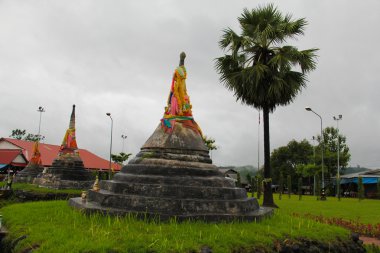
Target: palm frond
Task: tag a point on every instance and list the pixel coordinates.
(307, 59)
(230, 40)
(290, 56)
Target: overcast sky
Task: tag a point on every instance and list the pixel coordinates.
(119, 56)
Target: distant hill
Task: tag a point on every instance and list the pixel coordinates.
(246, 167)
(243, 170)
(350, 170)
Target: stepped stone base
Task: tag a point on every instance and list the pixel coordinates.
(67, 172)
(94, 207)
(173, 177)
(163, 189)
(28, 174)
(63, 184)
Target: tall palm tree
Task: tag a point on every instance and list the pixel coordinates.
(261, 71)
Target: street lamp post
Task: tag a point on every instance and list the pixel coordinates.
(323, 196)
(110, 166)
(338, 151)
(123, 137)
(313, 139)
(40, 110)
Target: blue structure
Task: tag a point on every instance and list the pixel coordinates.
(349, 183)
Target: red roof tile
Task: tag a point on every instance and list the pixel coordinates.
(49, 152)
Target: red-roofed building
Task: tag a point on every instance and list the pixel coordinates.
(12, 157)
(48, 152)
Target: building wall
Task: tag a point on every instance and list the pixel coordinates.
(19, 159)
(7, 145)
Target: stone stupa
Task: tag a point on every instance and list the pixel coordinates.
(173, 175)
(67, 170)
(34, 167)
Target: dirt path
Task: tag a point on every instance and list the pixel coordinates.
(370, 240)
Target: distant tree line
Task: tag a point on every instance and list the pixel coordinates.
(302, 160)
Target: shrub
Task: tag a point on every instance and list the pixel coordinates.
(360, 188)
(281, 187)
(300, 188)
(317, 186)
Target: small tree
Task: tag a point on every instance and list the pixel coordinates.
(281, 187)
(253, 185)
(289, 179)
(378, 188)
(299, 188)
(210, 143)
(238, 180)
(18, 134)
(32, 137)
(248, 177)
(102, 175)
(360, 188)
(317, 186)
(294, 159)
(120, 158)
(330, 144)
(259, 183)
(22, 135)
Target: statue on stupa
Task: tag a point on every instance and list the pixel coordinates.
(69, 143)
(178, 107)
(173, 176)
(34, 167)
(67, 170)
(36, 157)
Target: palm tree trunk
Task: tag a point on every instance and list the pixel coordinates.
(268, 196)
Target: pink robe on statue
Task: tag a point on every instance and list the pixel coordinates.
(174, 106)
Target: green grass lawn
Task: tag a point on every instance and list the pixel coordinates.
(35, 188)
(56, 227)
(365, 211)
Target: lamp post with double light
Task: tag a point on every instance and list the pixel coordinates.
(110, 166)
(323, 196)
(40, 110)
(313, 139)
(123, 137)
